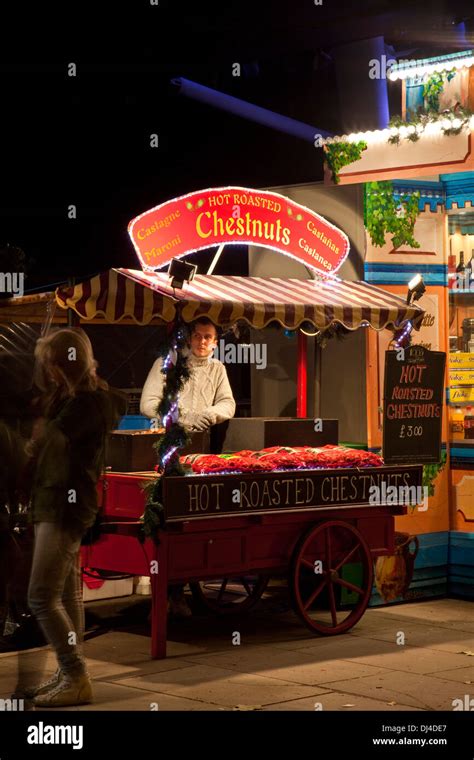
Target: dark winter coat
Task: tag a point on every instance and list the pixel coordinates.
(71, 458)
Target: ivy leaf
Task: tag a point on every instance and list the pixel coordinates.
(384, 215)
(338, 155)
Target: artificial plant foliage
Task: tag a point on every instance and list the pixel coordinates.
(455, 115)
(433, 87)
(431, 472)
(417, 126)
(339, 154)
(384, 215)
(175, 437)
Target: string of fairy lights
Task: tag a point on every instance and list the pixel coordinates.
(432, 128)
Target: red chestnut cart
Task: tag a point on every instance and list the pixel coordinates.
(317, 527)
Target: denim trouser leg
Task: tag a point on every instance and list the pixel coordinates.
(72, 600)
(53, 594)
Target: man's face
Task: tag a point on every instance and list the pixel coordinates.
(203, 340)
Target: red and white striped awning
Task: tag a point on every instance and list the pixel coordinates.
(121, 293)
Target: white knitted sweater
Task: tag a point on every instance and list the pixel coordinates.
(207, 390)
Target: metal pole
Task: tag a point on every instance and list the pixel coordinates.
(216, 258)
(301, 376)
(317, 380)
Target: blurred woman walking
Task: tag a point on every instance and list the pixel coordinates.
(67, 447)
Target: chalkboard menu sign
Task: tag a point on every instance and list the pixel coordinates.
(413, 405)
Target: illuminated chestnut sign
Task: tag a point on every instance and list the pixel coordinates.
(236, 215)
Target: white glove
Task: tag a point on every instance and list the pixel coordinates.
(200, 421)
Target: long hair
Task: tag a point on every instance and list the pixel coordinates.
(65, 365)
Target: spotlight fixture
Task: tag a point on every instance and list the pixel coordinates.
(416, 288)
(181, 272)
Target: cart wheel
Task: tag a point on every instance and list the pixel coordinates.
(229, 595)
(331, 577)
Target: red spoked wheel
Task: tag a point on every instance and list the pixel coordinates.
(331, 577)
(226, 596)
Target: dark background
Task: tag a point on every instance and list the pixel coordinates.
(85, 140)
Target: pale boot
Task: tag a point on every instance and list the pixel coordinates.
(71, 690)
(34, 691)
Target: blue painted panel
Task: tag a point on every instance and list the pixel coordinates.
(461, 549)
(428, 582)
(462, 456)
(461, 564)
(433, 552)
(459, 188)
(436, 538)
(414, 98)
(461, 453)
(429, 574)
(460, 538)
(419, 184)
(452, 179)
(431, 556)
(401, 274)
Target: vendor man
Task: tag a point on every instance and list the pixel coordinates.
(207, 396)
(205, 400)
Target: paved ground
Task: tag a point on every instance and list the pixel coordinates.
(279, 665)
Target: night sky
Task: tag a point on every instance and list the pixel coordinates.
(84, 140)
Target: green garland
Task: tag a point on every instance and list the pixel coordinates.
(335, 330)
(457, 119)
(339, 154)
(176, 372)
(384, 215)
(416, 127)
(463, 115)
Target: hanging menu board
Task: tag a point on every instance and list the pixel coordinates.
(413, 405)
